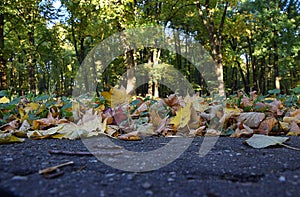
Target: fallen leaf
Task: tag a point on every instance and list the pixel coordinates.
(242, 131)
(263, 141)
(294, 130)
(295, 113)
(291, 119)
(212, 133)
(44, 123)
(121, 116)
(25, 126)
(31, 106)
(266, 126)
(199, 104)
(158, 123)
(112, 130)
(13, 125)
(6, 138)
(132, 136)
(246, 102)
(142, 108)
(4, 100)
(251, 119)
(276, 107)
(116, 96)
(146, 130)
(260, 107)
(174, 103)
(284, 126)
(87, 127)
(197, 132)
(183, 116)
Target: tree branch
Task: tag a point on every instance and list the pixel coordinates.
(223, 20)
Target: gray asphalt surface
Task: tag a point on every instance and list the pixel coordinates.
(229, 169)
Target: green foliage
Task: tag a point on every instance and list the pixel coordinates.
(43, 46)
(274, 91)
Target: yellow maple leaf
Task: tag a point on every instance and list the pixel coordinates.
(4, 100)
(116, 96)
(6, 138)
(183, 115)
(31, 106)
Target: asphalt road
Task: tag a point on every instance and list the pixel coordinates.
(229, 169)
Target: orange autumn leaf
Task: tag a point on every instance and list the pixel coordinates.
(47, 122)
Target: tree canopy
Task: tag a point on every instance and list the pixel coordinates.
(254, 44)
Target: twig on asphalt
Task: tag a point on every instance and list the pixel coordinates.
(84, 153)
(55, 175)
(53, 168)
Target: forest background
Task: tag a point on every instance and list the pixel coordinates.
(254, 43)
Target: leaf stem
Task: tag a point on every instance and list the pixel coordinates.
(290, 147)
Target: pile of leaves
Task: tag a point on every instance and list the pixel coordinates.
(116, 115)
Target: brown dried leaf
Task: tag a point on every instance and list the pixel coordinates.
(294, 130)
(266, 126)
(142, 108)
(113, 130)
(251, 119)
(174, 102)
(295, 113)
(275, 107)
(132, 136)
(197, 132)
(13, 125)
(158, 123)
(120, 115)
(242, 131)
(47, 122)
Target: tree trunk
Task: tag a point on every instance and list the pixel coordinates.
(178, 50)
(150, 82)
(253, 63)
(3, 81)
(215, 37)
(31, 63)
(243, 76)
(130, 72)
(156, 56)
(276, 77)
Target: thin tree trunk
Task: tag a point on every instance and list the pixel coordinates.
(31, 63)
(215, 37)
(156, 56)
(2, 60)
(248, 86)
(178, 50)
(242, 75)
(150, 82)
(252, 59)
(276, 77)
